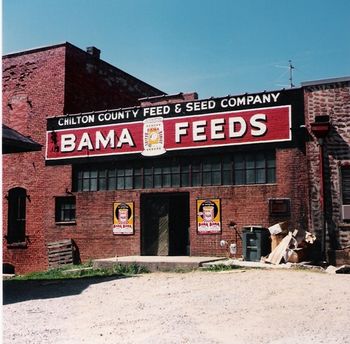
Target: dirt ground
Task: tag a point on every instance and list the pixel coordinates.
(253, 306)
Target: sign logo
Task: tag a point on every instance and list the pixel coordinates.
(153, 137)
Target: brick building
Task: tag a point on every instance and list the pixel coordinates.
(327, 113)
(40, 83)
(157, 174)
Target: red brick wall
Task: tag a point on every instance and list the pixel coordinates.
(89, 80)
(43, 83)
(331, 99)
(246, 205)
(33, 88)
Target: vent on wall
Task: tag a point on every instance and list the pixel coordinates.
(345, 212)
(279, 206)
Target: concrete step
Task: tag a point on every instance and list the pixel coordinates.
(157, 263)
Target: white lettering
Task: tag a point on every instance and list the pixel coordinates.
(178, 108)
(250, 99)
(85, 142)
(109, 139)
(88, 119)
(125, 138)
(156, 110)
(180, 130)
(232, 127)
(198, 131)
(224, 103)
(135, 112)
(241, 101)
(200, 105)
(266, 98)
(67, 143)
(217, 128)
(255, 123)
(275, 96)
(257, 99)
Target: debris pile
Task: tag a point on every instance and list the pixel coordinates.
(287, 246)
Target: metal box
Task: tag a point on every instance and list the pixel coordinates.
(256, 243)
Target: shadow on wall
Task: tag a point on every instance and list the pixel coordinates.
(76, 253)
(19, 291)
(339, 149)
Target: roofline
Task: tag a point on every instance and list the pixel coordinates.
(34, 50)
(325, 81)
(54, 46)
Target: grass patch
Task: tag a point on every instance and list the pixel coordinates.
(224, 267)
(130, 269)
(82, 271)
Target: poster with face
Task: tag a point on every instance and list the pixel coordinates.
(123, 218)
(208, 216)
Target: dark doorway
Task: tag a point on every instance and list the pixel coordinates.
(164, 224)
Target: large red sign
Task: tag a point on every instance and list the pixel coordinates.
(156, 135)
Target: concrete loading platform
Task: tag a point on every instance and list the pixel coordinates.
(158, 263)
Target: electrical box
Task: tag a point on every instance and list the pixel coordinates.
(256, 243)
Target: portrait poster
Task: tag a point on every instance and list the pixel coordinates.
(123, 218)
(208, 216)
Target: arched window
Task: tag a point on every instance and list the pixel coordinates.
(16, 225)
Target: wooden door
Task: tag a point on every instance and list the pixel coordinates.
(155, 226)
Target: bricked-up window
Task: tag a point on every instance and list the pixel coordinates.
(345, 181)
(16, 225)
(229, 169)
(65, 209)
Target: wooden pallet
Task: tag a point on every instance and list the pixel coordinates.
(60, 253)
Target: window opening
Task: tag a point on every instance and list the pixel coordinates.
(65, 209)
(227, 169)
(16, 225)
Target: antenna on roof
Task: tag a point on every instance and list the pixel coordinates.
(291, 67)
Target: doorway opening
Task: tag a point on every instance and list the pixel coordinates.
(165, 224)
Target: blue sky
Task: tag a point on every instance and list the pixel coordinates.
(215, 47)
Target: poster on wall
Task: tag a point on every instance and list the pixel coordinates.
(123, 218)
(208, 216)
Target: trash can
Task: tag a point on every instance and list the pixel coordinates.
(256, 243)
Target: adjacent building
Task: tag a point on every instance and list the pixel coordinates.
(327, 114)
(37, 84)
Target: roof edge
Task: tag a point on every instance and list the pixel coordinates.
(34, 50)
(325, 81)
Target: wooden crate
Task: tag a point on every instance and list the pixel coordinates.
(60, 253)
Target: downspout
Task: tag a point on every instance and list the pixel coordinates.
(320, 128)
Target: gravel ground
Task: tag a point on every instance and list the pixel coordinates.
(252, 306)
